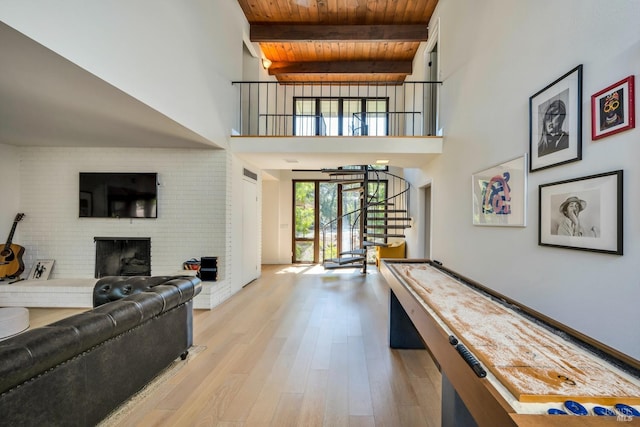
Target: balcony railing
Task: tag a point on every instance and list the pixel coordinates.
(274, 109)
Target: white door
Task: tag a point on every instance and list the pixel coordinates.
(250, 235)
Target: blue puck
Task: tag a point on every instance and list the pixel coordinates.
(599, 410)
(575, 408)
(627, 410)
(554, 411)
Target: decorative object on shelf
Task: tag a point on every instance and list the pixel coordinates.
(208, 268)
(612, 109)
(11, 264)
(191, 264)
(582, 213)
(500, 194)
(41, 269)
(555, 122)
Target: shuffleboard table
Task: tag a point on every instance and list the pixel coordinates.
(503, 364)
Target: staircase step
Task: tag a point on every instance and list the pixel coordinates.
(354, 252)
(383, 235)
(345, 260)
(372, 244)
(333, 265)
(337, 172)
(358, 189)
(385, 211)
(388, 218)
(388, 226)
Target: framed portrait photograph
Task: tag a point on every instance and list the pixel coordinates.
(612, 109)
(41, 269)
(582, 213)
(500, 194)
(555, 122)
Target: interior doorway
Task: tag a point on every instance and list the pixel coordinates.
(424, 215)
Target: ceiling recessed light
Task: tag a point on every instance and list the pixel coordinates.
(291, 160)
(382, 162)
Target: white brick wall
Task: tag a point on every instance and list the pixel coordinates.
(193, 208)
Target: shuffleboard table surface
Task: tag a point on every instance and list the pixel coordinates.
(532, 362)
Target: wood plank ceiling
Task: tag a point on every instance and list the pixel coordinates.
(339, 40)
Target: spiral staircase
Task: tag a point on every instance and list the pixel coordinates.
(381, 213)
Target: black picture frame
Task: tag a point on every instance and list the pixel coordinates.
(555, 122)
(597, 224)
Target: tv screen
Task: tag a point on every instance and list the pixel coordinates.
(118, 195)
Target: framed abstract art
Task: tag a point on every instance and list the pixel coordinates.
(499, 194)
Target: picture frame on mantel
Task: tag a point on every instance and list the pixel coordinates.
(613, 109)
(500, 194)
(555, 122)
(41, 269)
(582, 213)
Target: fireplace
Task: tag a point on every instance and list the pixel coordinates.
(123, 256)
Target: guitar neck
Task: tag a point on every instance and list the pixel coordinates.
(13, 229)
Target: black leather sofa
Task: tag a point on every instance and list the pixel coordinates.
(76, 371)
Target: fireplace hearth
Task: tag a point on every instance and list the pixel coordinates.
(122, 256)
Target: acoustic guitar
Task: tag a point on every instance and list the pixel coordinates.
(11, 264)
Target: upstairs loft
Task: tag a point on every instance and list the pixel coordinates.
(60, 104)
(281, 125)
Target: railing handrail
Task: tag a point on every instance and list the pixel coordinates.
(352, 83)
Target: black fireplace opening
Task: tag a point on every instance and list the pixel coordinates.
(123, 256)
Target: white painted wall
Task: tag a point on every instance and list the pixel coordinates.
(494, 55)
(177, 57)
(271, 222)
(9, 191)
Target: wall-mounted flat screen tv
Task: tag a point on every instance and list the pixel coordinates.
(118, 195)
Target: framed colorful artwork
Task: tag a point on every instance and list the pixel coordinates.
(582, 213)
(500, 194)
(613, 109)
(555, 122)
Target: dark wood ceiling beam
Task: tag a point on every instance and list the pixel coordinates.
(342, 67)
(269, 33)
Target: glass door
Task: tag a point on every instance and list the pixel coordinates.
(315, 204)
(305, 238)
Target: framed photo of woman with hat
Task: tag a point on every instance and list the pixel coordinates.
(582, 213)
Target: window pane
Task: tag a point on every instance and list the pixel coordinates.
(377, 117)
(329, 117)
(304, 251)
(305, 117)
(352, 123)
(328, 212)
(304, 209)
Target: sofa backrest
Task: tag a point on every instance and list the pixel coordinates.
(26, 355)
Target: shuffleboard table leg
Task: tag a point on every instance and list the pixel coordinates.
(454, 411)
(402, 333)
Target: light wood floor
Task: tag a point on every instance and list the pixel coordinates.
(297, 347)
